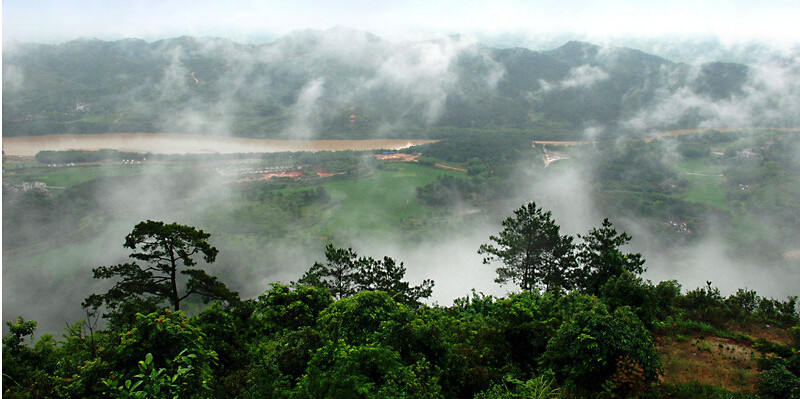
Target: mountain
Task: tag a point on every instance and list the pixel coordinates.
(348, 83)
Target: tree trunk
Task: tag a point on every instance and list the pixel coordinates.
(176, 300)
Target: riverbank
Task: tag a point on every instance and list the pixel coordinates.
(174, 143)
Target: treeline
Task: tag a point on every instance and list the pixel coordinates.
(493, 164)
(584, 325)
(75, 156)
(334, 160)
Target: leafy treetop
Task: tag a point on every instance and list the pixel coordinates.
(167, 251)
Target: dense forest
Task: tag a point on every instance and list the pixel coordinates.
(343, 83)
(583, 324)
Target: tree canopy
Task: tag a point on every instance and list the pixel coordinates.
(377, 340)
(167, 252)
(344, 273)
(602, 259)
(533, 252)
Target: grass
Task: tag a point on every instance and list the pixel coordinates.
(704, 166)
(17, 165)
(69, 176)
(707, 190)
(94, 119)
(381, 201)
(745, 229)
(706, 185)
(700, 365)
(693, 390)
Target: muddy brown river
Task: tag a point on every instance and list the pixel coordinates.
(169, 143)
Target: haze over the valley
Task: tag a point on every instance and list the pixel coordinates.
(409, 68)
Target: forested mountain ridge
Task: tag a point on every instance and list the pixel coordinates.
(350, 84)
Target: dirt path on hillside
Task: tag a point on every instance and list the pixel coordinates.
(443, 166)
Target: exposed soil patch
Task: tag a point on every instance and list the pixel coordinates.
(293, 174)
(324, 173)
(714, 361)
(552, 156)
(792, 255)
(760, 330)
(443, 166)
(398, 157)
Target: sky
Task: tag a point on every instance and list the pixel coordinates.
(54, 21)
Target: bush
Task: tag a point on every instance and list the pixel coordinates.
(590, 350)
(626, 289)
(338, 370)
(541, 387)
(777, 382)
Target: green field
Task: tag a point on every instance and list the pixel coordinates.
(381, 201)
(68, 176)
(708, 190)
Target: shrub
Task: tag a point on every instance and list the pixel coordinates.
(590, 350)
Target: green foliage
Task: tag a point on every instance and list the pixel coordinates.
(345, 273)
(165, 248)
(23, 374)
(163, 334)
(541, 387)
(780, 312)
(693, 150)
(230, 333)
(282, 307)
(342, 371)
(367, 317)
(338, 274)
(446, 190)
(777, 382)
(588, 350)
(55, 369)
(666, 293)
(601, 258)
(176, 381)
(626, 289)
(532, 251)
(779, 368)
(693, 390)
(17, 331)
(59, 157)
(378, 341)
(704, 304)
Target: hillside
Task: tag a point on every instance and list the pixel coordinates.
(343, 83)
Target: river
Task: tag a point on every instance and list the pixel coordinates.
(172, 143)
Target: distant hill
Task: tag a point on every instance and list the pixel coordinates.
(348, 84)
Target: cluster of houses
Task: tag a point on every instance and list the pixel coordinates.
(746, 153)
(679, 226)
